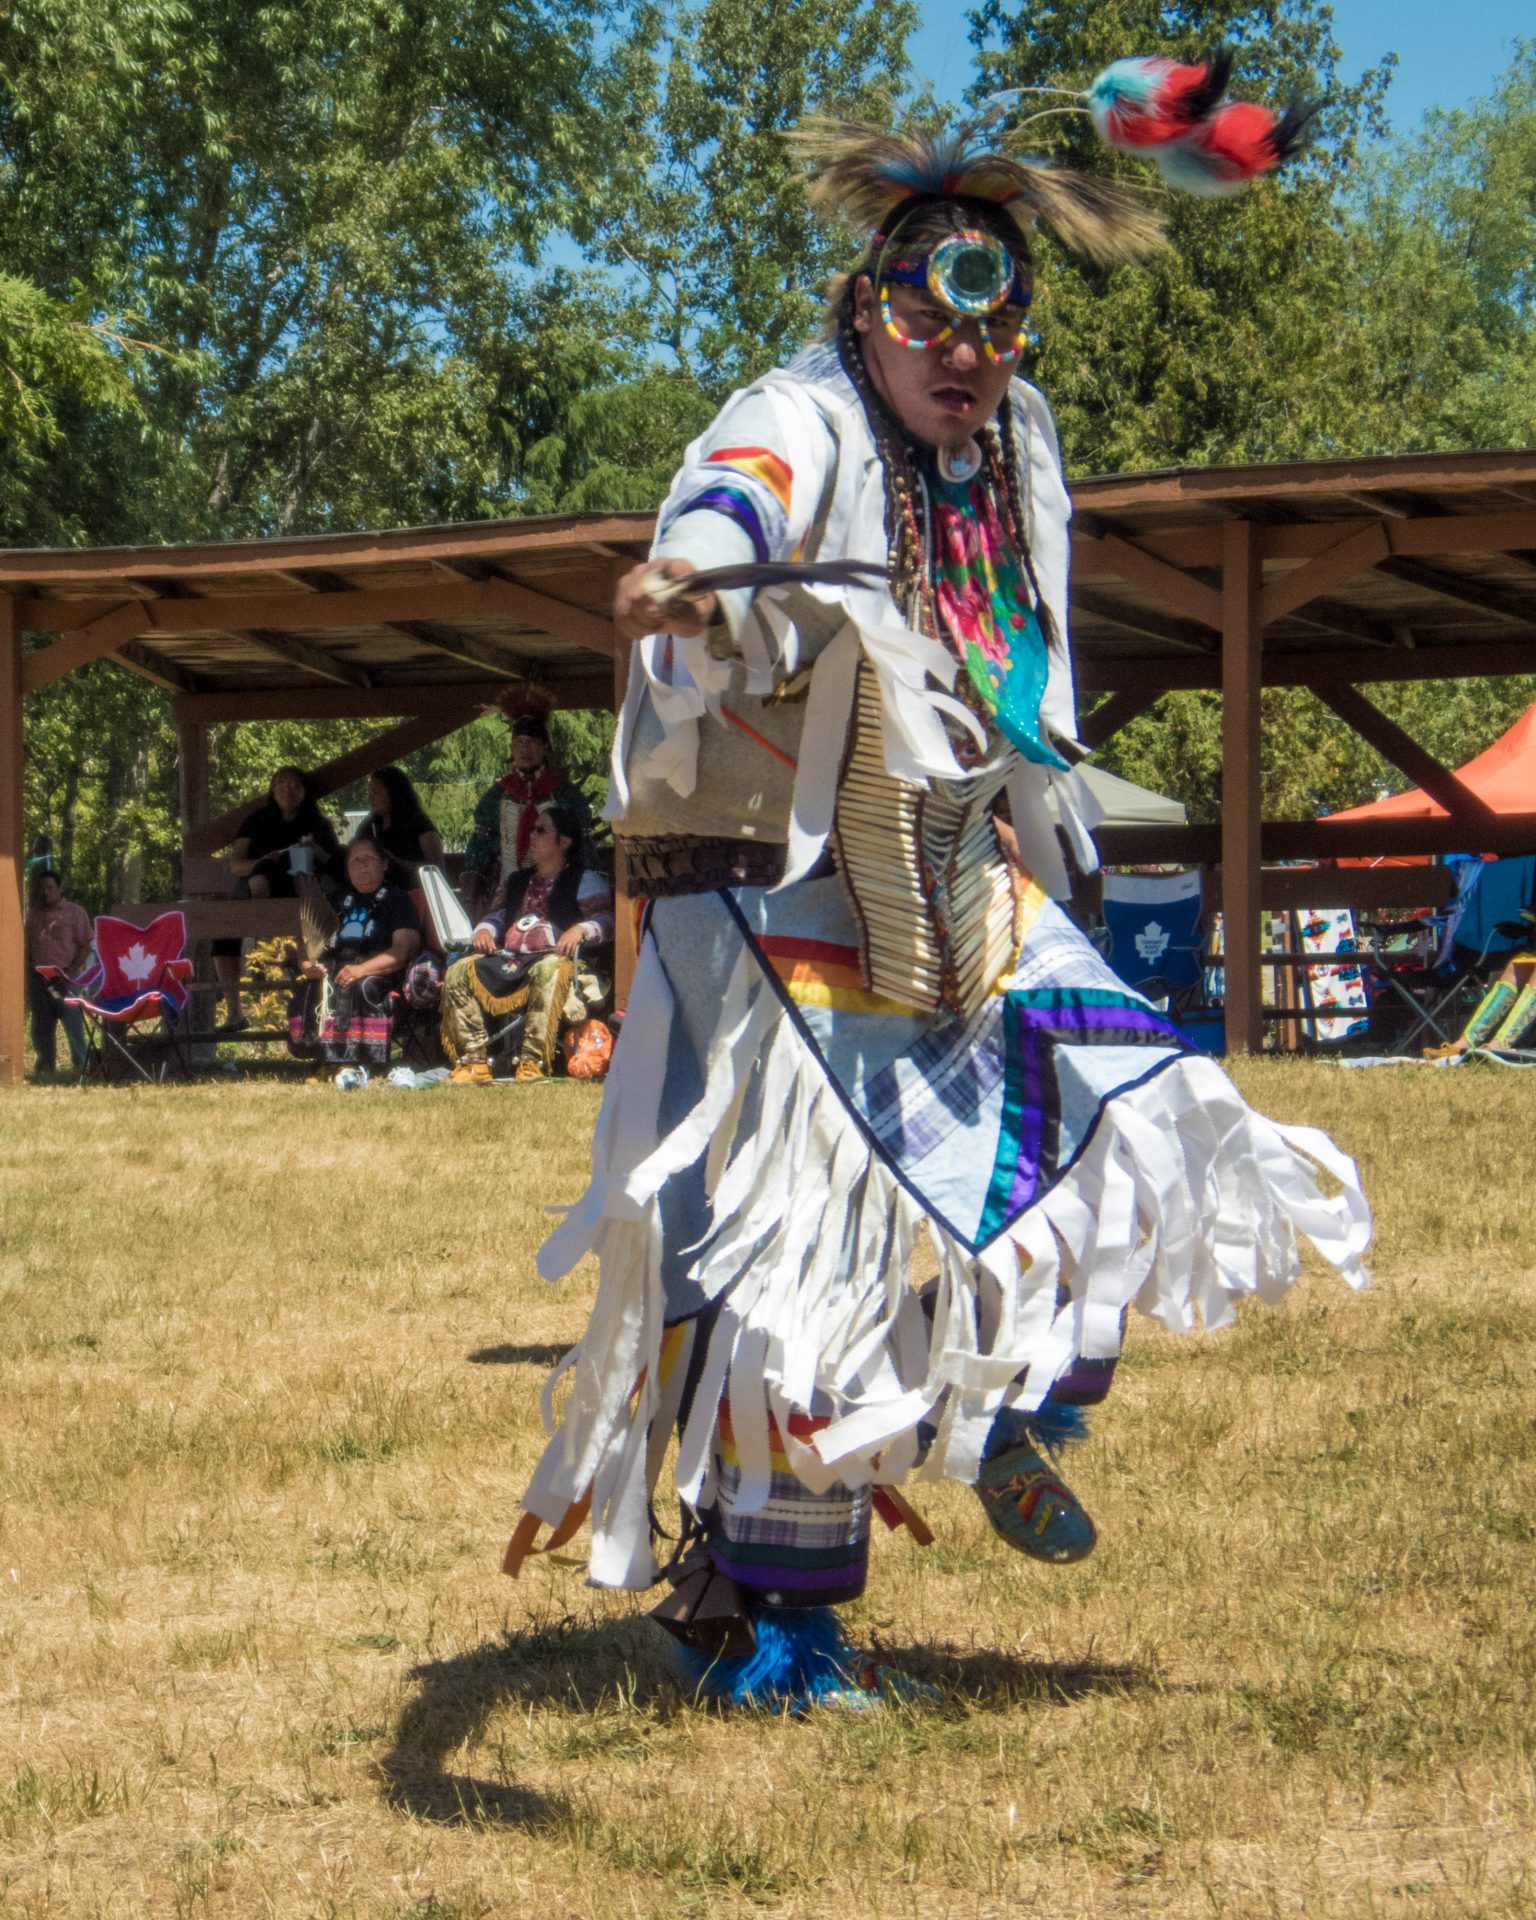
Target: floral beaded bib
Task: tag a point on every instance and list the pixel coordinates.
(984, 609)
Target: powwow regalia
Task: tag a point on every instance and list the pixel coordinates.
(852, 1025)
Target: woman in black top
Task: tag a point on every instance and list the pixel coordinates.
(398, 823)
(343, 1011)
(260, 863)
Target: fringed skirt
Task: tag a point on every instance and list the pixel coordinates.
(774, 1140)
(343, 1026)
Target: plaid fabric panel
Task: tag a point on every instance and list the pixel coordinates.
(916, 1102)
(805, 1547)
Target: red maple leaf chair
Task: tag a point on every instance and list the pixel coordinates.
(139, 975)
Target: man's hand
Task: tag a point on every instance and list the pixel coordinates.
(569, 941)
(636, 613)
(482, 940)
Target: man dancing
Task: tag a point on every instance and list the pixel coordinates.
(849, 1024)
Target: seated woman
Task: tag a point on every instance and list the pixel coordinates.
(342, 1013)
(526, 965)
(264, 868)
(398, 822)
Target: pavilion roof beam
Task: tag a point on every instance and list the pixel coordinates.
(468, 647)
(406, 738)
(1379, 505)
(1182, 634)
(1334, 616)
(1405, 753)
(1481, 594)
(153, 666)
(1355, 554)
(1487, 660)
(1097, 542)
(307, 657)
(557, 617)
(282, 612)
(1118, 711)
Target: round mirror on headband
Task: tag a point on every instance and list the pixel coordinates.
(971, 272)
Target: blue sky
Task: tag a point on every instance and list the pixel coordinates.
(1445, 58)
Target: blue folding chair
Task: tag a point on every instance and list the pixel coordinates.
(1154, 940)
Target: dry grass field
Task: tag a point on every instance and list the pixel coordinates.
(270, 1357)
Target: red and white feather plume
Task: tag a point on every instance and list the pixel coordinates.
(1146, 102)
(1174, 115)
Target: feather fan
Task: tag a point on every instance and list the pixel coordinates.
(318, 921)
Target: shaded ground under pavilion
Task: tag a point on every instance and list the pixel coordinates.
(1329, 575)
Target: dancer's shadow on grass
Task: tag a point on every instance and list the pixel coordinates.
(992, 1681)
(567, 1663)
(547, 1355)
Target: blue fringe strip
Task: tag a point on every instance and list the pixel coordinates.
(1050, 1429)
(801, 1656)
(1055, 1427)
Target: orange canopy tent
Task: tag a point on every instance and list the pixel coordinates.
(1502, 776)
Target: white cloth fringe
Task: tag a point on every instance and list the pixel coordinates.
(1183, 1202)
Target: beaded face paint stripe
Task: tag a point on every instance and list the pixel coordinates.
(898, 333)
(999, 357)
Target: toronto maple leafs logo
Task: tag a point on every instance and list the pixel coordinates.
(1152, 942)
(138, 964)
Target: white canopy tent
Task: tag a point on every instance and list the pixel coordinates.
(1124, 804)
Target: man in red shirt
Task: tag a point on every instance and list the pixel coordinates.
(58, 934)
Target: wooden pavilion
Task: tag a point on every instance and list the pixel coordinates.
(1328, 575)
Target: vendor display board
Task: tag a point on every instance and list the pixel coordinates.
(1336, 992)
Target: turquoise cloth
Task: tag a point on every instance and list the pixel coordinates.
(984, 604)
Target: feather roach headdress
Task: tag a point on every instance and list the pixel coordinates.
(867, 173)
(524, 701)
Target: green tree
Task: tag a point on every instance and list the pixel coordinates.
(731, 259)
(718, 264)
(321, 218)
(316, 209)
(1227, 346)
(1446, 293)
(1311, 762)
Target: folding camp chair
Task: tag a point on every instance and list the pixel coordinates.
(446, 930)
(139, 975)
(1434, 1000)
(1154, 928)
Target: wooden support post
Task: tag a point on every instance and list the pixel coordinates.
(1242, 638)
(192, 775)
(625, 953)
(196, 810)
(13, 978)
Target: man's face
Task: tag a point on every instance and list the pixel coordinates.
(52, 892)
(942, 393)
(527, 752)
